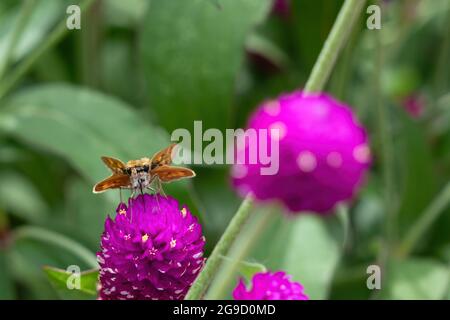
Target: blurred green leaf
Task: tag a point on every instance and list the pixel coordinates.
(415, 279)
(49, 237)
(7, 290)
(125, 13)
(80, 125)
(312, 254)
(19, 196)
(35, 30)
(191, 62)
(249, 269)
(311, 22)
(117, 65)
(263, 46)
(26, 259)
(59, 279)
(417, 176)
(85, 212)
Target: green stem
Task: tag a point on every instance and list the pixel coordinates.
(246, 241)
(441, 71)
(426, 220)
(319, 76)
(386, 149)
(221, 249)
(342, 27)
(60, 31)
(22, 20)
(59, 240)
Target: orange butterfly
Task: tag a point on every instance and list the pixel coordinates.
(140, 174)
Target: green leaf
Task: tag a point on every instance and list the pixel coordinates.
(125, 13)
(417, 176)
(35, 30)
(60, 278)
(263, 46)
(312, 21)
(85, 212)
(7, 290)
(249, 269)
(19, 197)
(415, 279)
(312, 253)
(80, 125)
(26, 259)
(191, 61)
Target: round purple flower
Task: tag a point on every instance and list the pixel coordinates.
(323, 153)
(282, 8)
(270, 286)
(414, 104)
(151, 250)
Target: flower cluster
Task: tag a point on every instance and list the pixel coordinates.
(151, 250)
(270, 286)
(323, 153)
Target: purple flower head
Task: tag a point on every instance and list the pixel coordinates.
(414, 104)
(270, 286)
(282, 8)
(151, 250)
(323, 153)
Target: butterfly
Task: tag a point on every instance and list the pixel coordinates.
(140, 174)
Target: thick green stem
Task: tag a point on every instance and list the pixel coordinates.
(60, 31)
(426, 220)
(29, 232)
(319, 76)
(342, 28)
(246, 241)
(201, 283)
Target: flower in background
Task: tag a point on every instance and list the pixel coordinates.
(270, 286)
(151, 250)
(414, 104)
(282, 8)
(323, 153)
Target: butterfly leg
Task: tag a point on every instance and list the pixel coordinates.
(131, 207)
(120, 195)
(160, 188)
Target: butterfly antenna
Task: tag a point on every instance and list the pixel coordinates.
(131, 207)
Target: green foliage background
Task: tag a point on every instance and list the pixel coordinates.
(138, 69)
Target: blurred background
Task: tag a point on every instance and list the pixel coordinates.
(138, 69)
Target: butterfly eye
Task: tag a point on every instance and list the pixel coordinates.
(145, 168)
(128, 171)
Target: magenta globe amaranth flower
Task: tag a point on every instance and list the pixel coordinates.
(151, 250)
(323, 153)
(270, 286)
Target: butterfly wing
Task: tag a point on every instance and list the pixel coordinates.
(172, 173)
(163, 157)
(113, 182)
(115, 165)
